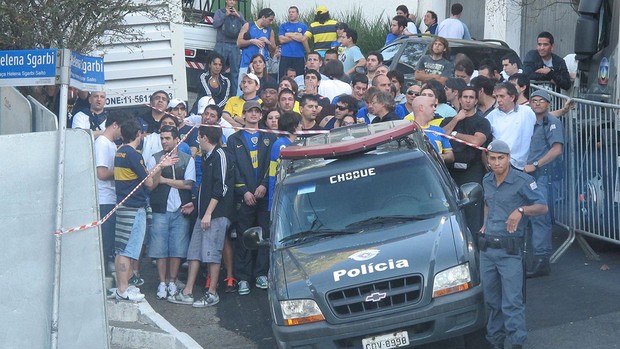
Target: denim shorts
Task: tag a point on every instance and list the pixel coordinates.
(169, 235)
(130, 231)
(207, 245)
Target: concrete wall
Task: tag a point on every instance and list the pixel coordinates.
(27, 216)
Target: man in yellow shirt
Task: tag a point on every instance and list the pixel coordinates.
(233, 110)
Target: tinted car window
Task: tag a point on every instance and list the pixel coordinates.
(389, 52)
(404, 188)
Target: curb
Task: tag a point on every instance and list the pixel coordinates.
(137, 325)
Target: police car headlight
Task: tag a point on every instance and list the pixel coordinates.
(452, 280)
(300, 311)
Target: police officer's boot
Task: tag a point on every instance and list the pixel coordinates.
(540, 267)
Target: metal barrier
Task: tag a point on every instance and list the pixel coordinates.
(589, 199)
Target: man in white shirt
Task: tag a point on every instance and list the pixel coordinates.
(94, 118)
(105, 149)
(512, 123)
(453, 27)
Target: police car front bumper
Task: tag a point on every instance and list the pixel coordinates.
(445, 317)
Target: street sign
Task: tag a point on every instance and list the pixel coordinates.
(28, 67)
(86, 72)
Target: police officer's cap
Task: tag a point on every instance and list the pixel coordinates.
(542, 94)
(498, 146)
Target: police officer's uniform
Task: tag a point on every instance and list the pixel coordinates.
(501, 265)
(547, 132)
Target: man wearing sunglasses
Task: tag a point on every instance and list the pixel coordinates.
(346, 108)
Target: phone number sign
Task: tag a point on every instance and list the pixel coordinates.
(28, 67)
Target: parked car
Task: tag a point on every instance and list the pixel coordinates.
(404, 53)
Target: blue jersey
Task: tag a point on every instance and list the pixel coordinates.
(293, 48)
(129, 171)
(249, 51)
(440, 143)
(274, 161)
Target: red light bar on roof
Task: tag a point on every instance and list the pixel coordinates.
(347, 147)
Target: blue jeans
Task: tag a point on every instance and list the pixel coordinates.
(232, 57)
(542, 225)
(108, 229)
(169, 235)
(502, 283)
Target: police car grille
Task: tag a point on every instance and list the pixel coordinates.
(381, 296)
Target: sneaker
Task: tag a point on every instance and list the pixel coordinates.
(133, 289)
(208, 300)
(136, 280)
(162, 291)
(261, 282)
(231, 285)
(244, 287)
(129, 295)
(180, 298)
(110, 293)
(172, 288)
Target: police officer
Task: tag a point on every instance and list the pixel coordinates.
(510, 197)
(545, 166)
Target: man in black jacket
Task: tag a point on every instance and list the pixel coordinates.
(215, 209)
(250, 151)
(543, 65)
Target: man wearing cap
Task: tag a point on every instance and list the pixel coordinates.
(250, 84)
(544, 163)
(294, 42)
(250, 152)
(322, 31)
(510, 197)
(269, 97)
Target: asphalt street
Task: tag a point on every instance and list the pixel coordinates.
(576, 307)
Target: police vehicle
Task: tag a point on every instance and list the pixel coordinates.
(369, 244)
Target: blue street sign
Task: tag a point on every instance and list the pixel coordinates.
(87, 72)
(28, 67)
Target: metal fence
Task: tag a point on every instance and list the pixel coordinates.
(589, 200)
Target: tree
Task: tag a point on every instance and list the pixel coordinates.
(77, 25)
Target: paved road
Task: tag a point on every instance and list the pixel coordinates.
(577, 307)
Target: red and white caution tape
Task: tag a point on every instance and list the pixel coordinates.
(457, 140)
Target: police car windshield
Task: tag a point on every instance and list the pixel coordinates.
(409, 190)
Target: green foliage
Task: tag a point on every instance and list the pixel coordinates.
(371, 32)
(76, 25)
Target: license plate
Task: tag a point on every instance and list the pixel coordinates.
(387, 341)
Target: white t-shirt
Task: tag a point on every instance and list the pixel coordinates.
(451, 28)
(104, 157)
(174, 199)
(150, 145)
(332, 88)
(515, 128)
(81, 120)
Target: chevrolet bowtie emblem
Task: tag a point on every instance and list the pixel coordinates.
(376, 296)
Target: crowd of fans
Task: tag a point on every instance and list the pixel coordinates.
(209, 183)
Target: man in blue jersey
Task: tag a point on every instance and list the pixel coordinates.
(294, 43)
(129, 172)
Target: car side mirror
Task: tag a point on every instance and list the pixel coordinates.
(470, 193)
(253, 238)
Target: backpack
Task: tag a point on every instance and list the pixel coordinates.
(231, 27)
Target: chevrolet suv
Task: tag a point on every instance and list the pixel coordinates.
(369, 244)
